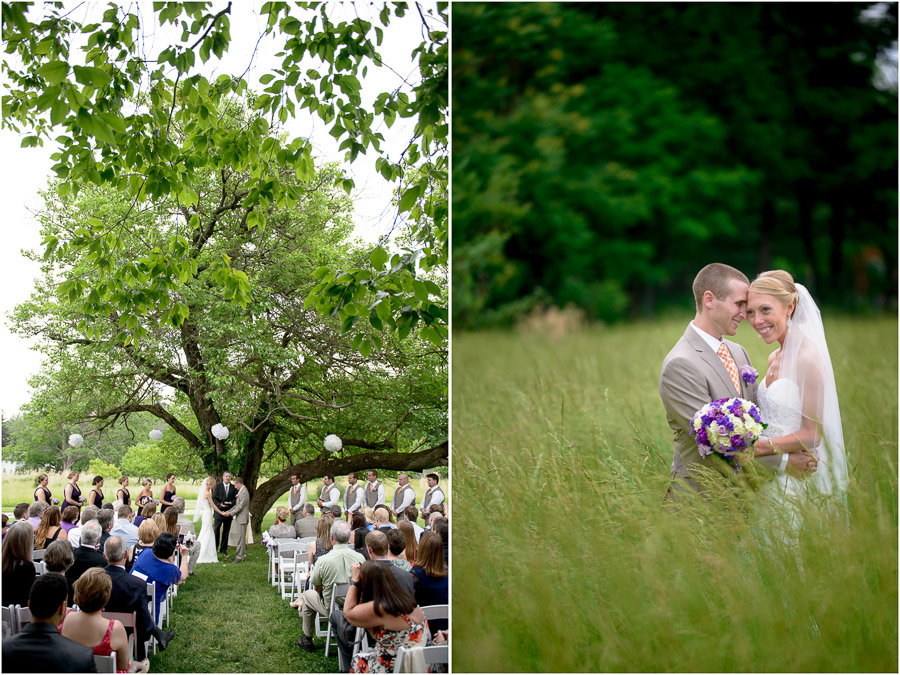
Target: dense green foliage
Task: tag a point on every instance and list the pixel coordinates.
(150, 125)
(604, 152)
(570, 438)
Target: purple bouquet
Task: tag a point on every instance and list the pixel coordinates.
(728, 427)
(54, 501)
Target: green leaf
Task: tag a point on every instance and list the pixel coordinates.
(54, 71)
(420, 290)
(365, 347)
(378, 257)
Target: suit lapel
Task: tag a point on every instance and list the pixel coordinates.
(709, 357)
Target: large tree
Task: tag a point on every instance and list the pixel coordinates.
(143, 120)
(279, 376)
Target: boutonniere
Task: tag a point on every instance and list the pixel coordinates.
(749, 374)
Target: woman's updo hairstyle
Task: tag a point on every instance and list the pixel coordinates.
(779, 284)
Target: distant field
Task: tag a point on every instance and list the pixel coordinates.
(564, 559)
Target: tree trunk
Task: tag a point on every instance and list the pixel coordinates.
(265, 495)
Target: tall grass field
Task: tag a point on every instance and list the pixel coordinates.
(566, 559)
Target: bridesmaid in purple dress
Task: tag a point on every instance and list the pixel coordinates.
(72, 492)
(168, 493)
(41, 493)
(96, 496)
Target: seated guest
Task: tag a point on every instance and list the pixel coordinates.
(412, 515)
(20, 512)
(396, 547)
(306, 526)
(359, 534)
(18, 568)
(88, 626)
(157, 565)
(186, 527)
(147, 534)
(86, 555)
(161, 523)
(379, 551)
(87, 515)
(382, 519)
(437, 508)
(323, 540)
(147, 512)
(129, 594)
(49, 529)
(69, 518)
(5, 524)
(333, 568)
(281, 528)
(430, 572)
(35, 512)
(442, 528)
(106, 518)
(376, 602)
(58, 557)
(370, 518)
(172, 526)
(39, 647)
(409, 551)
(125, 527)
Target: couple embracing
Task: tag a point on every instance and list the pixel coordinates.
(802, 448)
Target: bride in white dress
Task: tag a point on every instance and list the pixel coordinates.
(203, 512)
(797, 398)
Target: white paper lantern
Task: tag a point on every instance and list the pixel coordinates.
(333, 443)
(219, 431)
(75, 440)
(156, 435)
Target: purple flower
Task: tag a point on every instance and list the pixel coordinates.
(738, 443)
(749, 374)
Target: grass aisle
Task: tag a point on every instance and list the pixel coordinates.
(229, 619)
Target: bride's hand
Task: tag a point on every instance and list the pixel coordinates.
(802, 464)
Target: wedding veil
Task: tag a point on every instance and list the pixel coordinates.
(805, 362)
(201, 501)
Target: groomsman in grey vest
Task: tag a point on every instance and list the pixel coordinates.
(331, 494)
(296, 499)
(374, 490)
(353, 496)
(404, 495)
(434, 494)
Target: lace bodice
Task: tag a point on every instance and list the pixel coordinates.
(779, 407)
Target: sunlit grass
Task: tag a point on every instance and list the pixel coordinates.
(565, 560)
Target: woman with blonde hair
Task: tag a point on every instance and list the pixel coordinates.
(145, 496)
(147, 534)
(49, 528)
(147, 513)
(203, 512)
(281, 528)
(41, 493)
(370, 518)
(88, 626)
(323, 540)
(160, 521)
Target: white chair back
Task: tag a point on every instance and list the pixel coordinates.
(40, 567)
(11, 626)
(436, 612)
(37, 555)
(105, 664)
(430, 655)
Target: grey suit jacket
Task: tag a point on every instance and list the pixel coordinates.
(241, 508)
(693, 375)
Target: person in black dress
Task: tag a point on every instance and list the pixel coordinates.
(96, 495)
(18, 568)
(41, 493)
(431, 581)
(168, 493)
(72, 493)
(122, 493)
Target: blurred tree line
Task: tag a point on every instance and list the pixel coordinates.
(604, 152)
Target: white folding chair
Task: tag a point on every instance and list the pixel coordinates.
(23, 616)
(337, 591)
(37, 555)
(40, 567)
(436, 612)
(361, 642)
(9, 618)
(105, 664)
(431, 655)
(273, 557)
(129, 620)
(286, 561)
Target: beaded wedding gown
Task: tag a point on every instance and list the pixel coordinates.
(207, 537)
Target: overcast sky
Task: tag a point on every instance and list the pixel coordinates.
(25, 171)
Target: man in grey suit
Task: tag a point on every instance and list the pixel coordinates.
(241, 517)
(703, 367)
(306, 526)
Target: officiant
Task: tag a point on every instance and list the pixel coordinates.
(224, 496)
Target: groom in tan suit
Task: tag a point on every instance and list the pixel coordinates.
(241, 517)
(703, 367)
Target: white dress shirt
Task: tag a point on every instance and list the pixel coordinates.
(356, 505)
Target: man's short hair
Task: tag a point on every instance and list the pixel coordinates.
(373, 472)
(36, 509)
(106, 517)
(88, 513)
(124, 511)
(329, 476)
(178, 504)
(353, 473)
(340, 532)
(90, 532)
(115, 549)
(164, 546)
(381, 516)
(442, 527)
(48, 592)
(59, 557)
(309, 509)
(377, 542)
(106, 506)
(434, 477)
(716, 277)
(436, 508)
(396, 541)
(336, 510)
(411, 513)
(238, 479)
(20, 510)
(295, 475)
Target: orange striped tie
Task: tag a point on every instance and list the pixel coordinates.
(730, 366)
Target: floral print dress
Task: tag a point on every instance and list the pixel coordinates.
(388, 643)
